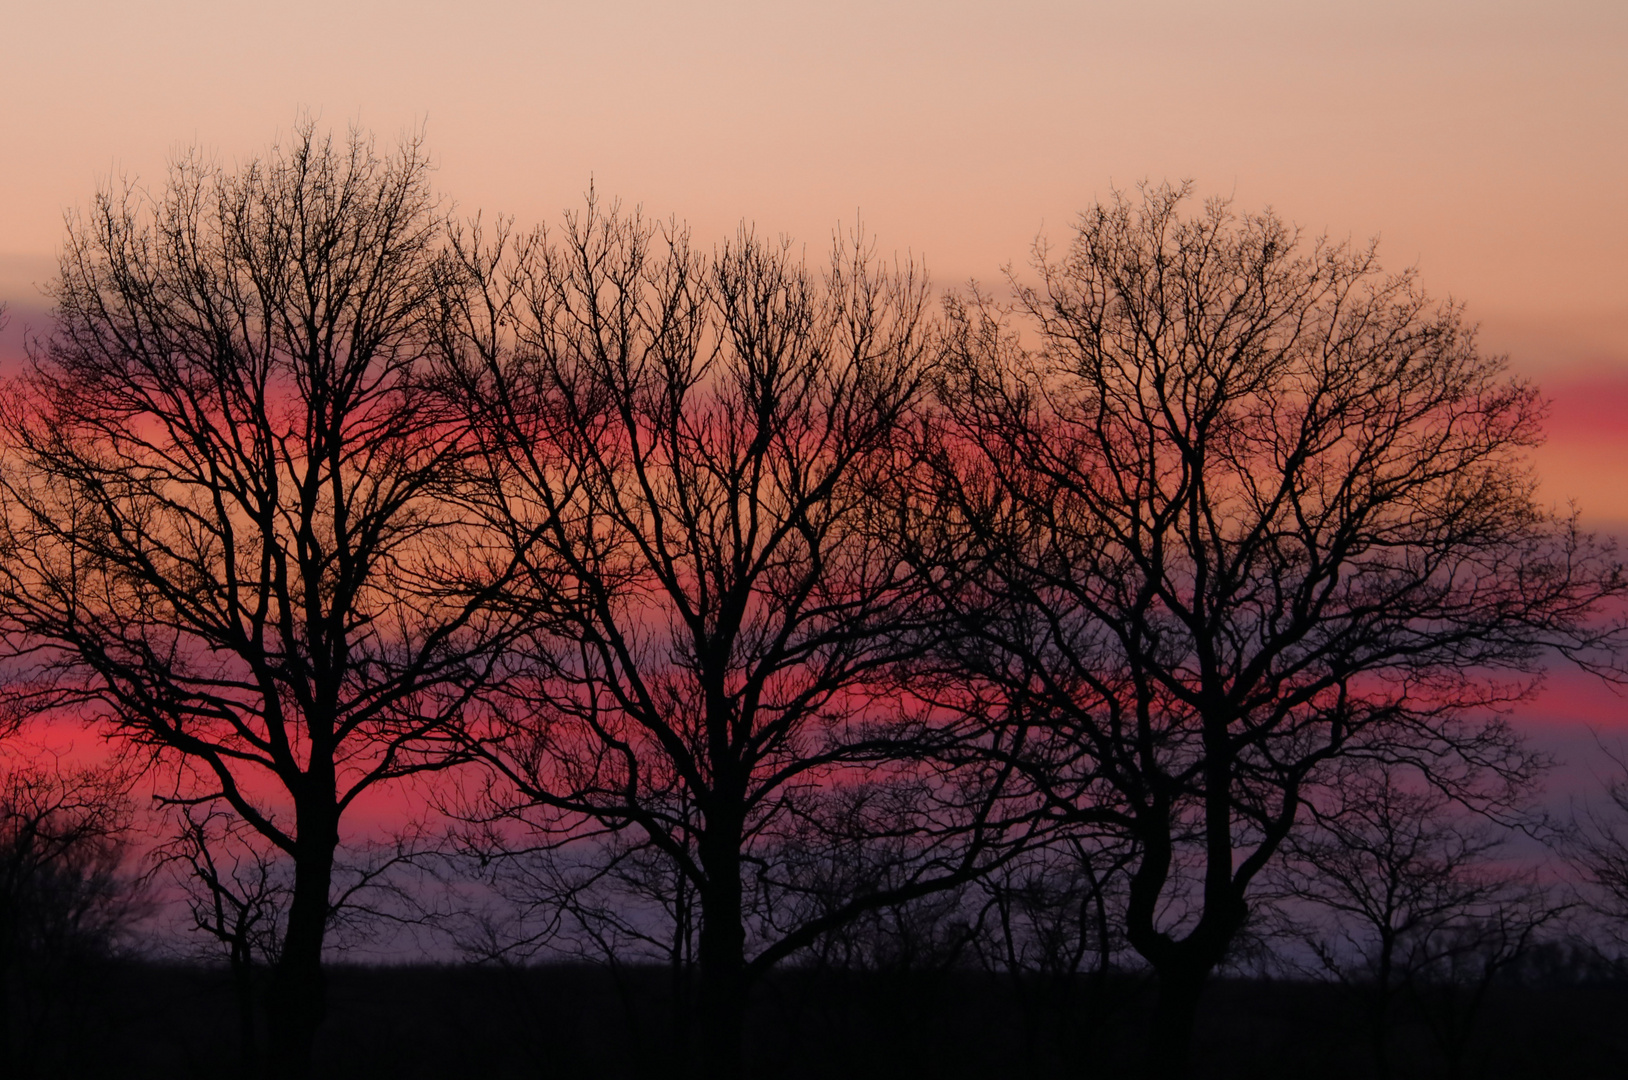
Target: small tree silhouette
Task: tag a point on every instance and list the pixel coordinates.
(1411, 906)
(236, 893)
(1598, 848)
(67, 896)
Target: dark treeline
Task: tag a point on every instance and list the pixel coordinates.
(164, 1022)
(829, 664)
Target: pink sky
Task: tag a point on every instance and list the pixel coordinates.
(1484, 141)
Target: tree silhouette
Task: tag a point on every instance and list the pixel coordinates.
(235, 893)
(693, 458)
(1410, 906)
(1598, 847)
(66, 895)
(225, 540)
(1224, 510)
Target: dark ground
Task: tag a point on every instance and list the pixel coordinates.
(136, 1020)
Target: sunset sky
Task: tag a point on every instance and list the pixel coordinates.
(1484, 141)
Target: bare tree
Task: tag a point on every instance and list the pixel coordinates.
(236, 893)
(66, 892)
(1411, 903)
(1598, 847)
(1224, 510)
(693, 461)
(1050, 923)
(225, 539)
(1053, 914)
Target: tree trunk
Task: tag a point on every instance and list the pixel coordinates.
(682, 974)
(298, 1000)
(1175, 1011)
(6, 1047)
(1182, 968)
(723, 960)
(242, 963)
(1379, 1015)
